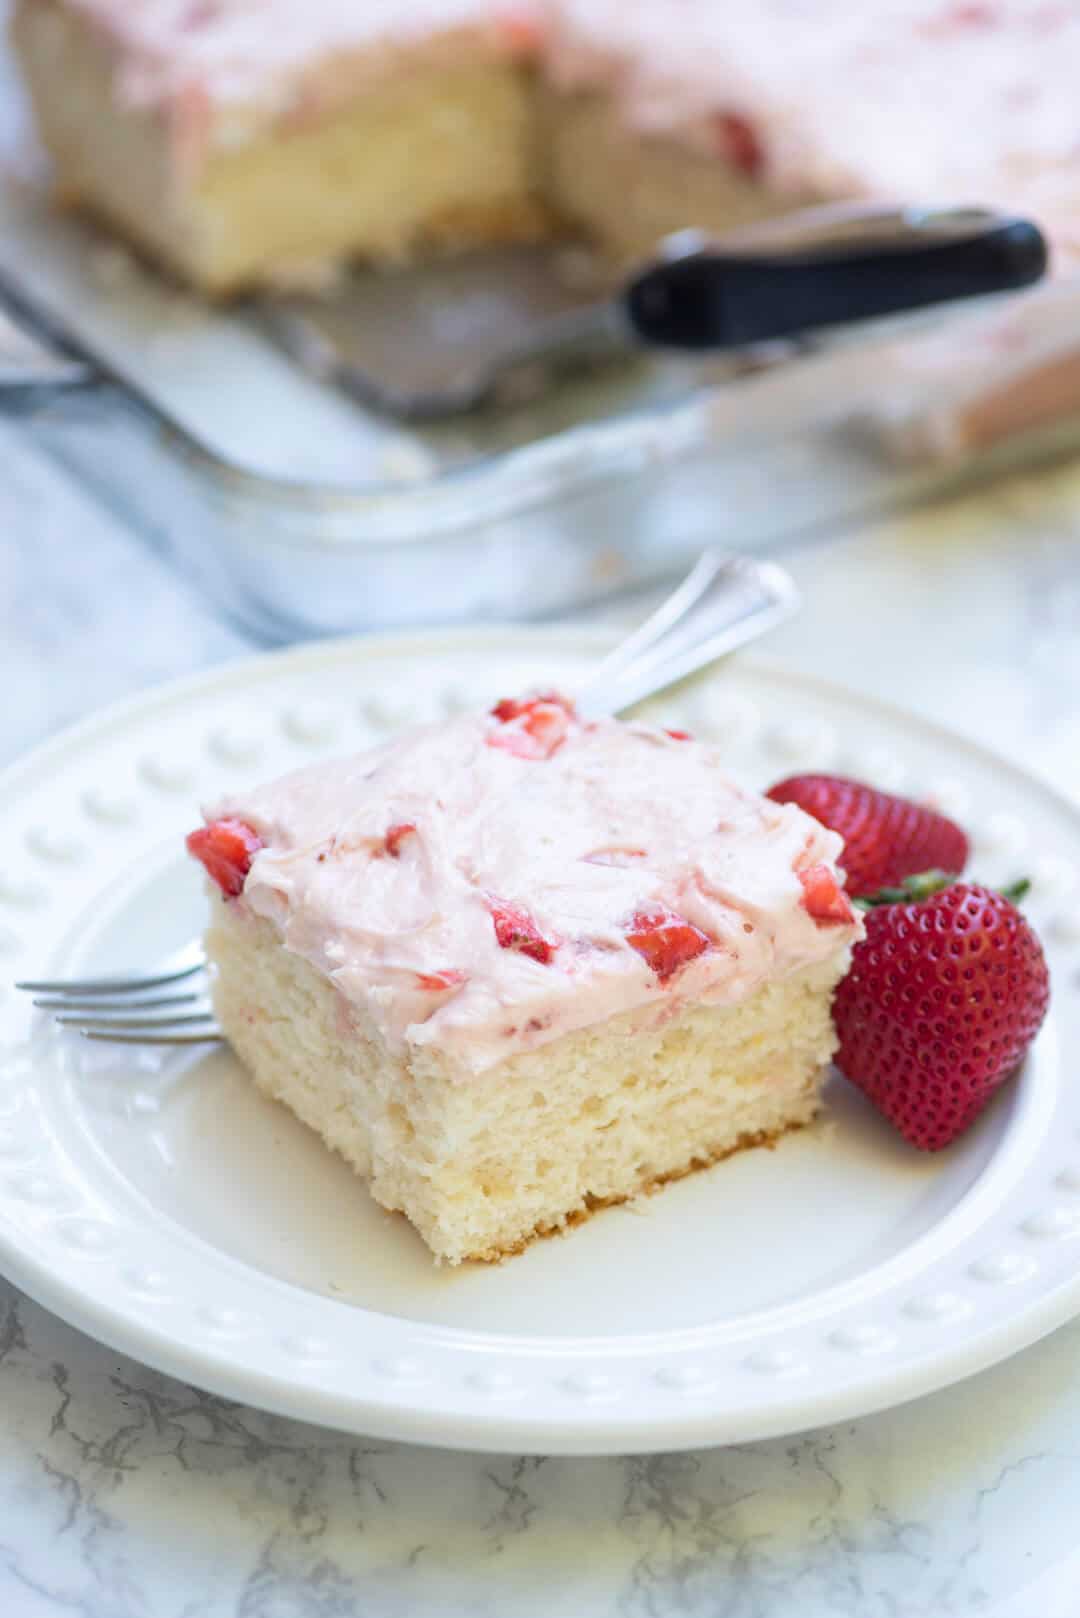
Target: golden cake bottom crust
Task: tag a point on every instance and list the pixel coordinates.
(705, 1159)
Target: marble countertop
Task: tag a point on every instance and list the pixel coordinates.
(126, 1495)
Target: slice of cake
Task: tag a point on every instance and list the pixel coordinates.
(521, 965)
(237, 141)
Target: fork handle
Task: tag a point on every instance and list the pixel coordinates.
(724, 603)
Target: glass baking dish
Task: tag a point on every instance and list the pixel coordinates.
(302, 513)
(528, 534)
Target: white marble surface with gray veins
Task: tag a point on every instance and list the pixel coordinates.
(126, 1495)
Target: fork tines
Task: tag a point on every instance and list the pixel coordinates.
(125, 1010)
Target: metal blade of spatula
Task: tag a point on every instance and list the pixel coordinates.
(430, 341)
(435, 341)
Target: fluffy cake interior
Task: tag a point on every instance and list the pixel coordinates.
(482, 1164)
(627, 192)
(431, 156)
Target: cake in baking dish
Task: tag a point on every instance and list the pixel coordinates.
(522, 965)
(243, 140)
(236, 140)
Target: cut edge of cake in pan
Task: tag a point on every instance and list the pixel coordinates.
(385, 140)
(413, 146)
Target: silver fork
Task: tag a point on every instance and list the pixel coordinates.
(114, 1008)
(723, 603)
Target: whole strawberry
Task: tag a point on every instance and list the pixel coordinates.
(885, 838)
(945, 994)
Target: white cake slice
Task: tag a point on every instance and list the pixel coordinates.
(519, 966)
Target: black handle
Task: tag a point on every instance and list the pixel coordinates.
(712, 298)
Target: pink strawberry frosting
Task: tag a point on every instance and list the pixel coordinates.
(530, 894)
(934, 100)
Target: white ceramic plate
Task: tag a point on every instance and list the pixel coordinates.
(157, 1202)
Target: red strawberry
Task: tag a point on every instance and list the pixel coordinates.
(533, 727)
(666, 941)
(202, 11)
(440, 982)
(515, 707)
(522, 33)
(885, 838)
(515, 929)
(945, 994)
(396, 836)
(738, 142)
(226, 848)
(823, 897)
(679, 735)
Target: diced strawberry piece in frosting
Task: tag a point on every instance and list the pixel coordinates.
(515, 707)
(191, 115)
(823, 897)
(679, 735)
(226, 848)
(666, 941)
(521, 31)
(615, 856)
(973, 14)
(516, 930)
(739, 143)
(397, 835)
(439, 982)
(199, 13)
(966, 14)
(532, 728)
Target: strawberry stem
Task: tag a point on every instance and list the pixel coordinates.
(910, 891)
(926, 884)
